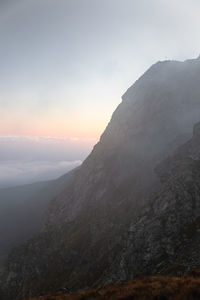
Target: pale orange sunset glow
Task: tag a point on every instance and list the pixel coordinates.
(55, 128)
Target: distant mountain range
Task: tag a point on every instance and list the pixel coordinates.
(133, 207)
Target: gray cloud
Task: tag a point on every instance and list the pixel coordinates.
(47, 45)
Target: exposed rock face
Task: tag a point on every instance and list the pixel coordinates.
(156, 115)
(97, 230)
(165, 238)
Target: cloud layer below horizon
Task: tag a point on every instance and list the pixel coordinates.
(26, 160)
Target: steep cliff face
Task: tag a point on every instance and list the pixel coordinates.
(156, 115)
(165, 237)
(92, 233)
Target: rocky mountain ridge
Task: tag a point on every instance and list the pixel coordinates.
(115, 218)
(165, 238)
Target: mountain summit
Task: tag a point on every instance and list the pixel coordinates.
(128, 209)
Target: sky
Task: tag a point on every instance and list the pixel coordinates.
(64, 65)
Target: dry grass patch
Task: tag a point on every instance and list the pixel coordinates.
(146, 288)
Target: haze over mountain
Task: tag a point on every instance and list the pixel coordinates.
(132, 206)
(65, 64)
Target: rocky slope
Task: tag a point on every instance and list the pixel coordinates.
(103, 227)
(165, 237)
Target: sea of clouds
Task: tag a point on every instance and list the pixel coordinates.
(26, 160)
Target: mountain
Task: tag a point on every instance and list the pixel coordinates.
(22, 209)
(165, 237)
(117, 216)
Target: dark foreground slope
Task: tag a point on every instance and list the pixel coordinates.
(22, 210)
(101, 228)
(145, 288)
(20, 215)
